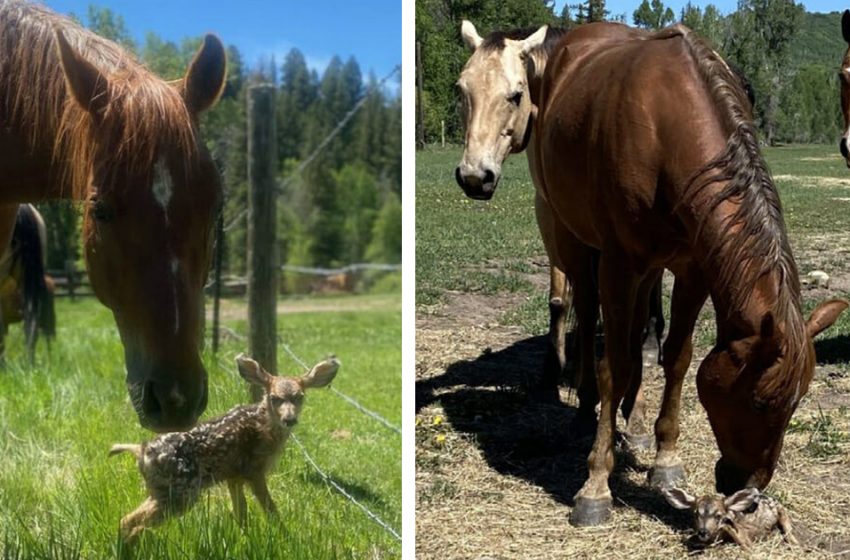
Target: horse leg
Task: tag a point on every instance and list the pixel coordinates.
(634, 403)
(546, 389)
(618, 288)
(689, 295)
(586, 302)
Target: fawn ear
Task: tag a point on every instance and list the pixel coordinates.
(321, 374)
(252, 372)
(678, 498)
(825, 315)
(741, 500)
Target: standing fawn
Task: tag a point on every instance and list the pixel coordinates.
(239, 447)
(743, 517)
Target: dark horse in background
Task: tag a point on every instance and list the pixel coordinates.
(26, 292)
(844, 79)
(648, 154)
(81, 119)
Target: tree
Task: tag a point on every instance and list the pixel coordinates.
(653, 16)
(106, 23)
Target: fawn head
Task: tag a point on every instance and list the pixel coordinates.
(711, 513)
(284, 396)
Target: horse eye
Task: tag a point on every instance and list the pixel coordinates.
(515, 98)
(101, 211)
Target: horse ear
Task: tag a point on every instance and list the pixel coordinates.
(204, 80)
(88, 86)
(845, 26)
(825, 315)
(470, 34)
(534, 40)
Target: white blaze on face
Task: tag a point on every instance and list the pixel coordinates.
(162, 187)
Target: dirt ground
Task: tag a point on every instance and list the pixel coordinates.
(496, 475)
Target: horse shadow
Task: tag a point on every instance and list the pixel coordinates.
(833, 350)
(486, 399)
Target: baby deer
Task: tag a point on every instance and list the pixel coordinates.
(742, 517)
(239, 447)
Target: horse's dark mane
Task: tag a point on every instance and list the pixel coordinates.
(754, 241)
(144, 112)
(496, 39)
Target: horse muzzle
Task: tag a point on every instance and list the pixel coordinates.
(165, 401)
(477, 186)
(845, 153)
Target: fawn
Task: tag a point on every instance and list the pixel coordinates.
(239, 447)
(742, 517)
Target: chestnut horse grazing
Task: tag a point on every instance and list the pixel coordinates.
(648, 153)
(500, 89)
(844, 78)
(81, 119)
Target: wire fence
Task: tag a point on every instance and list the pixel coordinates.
(339, 488)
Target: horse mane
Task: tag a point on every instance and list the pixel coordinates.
(143, 115)
(753, 241)
(496, 40)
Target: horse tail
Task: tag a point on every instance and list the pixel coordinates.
(47, 315)
(27, 251)
(133, 448)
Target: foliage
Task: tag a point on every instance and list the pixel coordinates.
(789, 56)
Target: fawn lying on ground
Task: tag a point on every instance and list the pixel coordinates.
(238, 448)
(743, 517)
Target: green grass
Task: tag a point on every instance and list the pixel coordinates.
(472, 246)
(61, 497)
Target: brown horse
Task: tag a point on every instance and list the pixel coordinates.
(648, 153)
(844, 79)
(26, 292)
(81, 119)
(500, 90)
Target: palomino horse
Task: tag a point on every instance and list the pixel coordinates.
(648, 153)
(81, 119)
(26, 292)
(844, 78)
(500, 89)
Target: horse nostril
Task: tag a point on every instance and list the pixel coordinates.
(489, 177)
(842, 145)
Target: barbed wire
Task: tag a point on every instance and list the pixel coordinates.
(321, 146)
(346, 398)
(331, 482)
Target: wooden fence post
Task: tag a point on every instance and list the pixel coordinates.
(420, 110)
(262, 239)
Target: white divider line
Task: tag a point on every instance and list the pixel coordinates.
(346, 398)
(331, 482)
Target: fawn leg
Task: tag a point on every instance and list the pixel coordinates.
(237, 496)
(784, 522)
(261, 491)
(151, 512)
(738, 537)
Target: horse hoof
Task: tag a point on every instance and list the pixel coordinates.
(639, 442)
(666, 477)
(589, 512)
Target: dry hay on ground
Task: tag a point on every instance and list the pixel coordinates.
(496, 475)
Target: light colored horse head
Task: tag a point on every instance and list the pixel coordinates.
(497, 106)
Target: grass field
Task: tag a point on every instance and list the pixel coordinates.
(61, 497)
(496, 475)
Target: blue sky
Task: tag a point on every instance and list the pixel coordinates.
(725, 6)
(369, 30)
